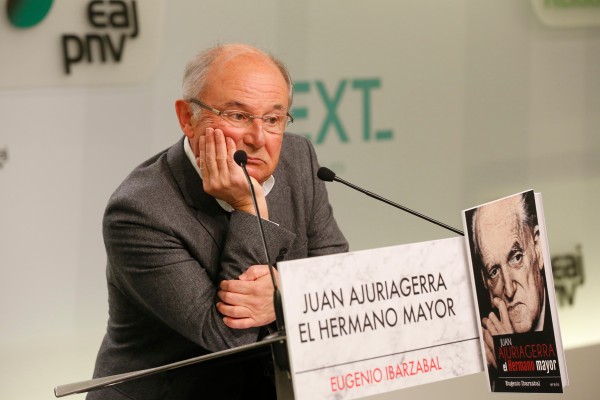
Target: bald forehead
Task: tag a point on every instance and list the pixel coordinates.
(236, 55)
(238, 72)
(490, 219)
(494, 213)
(227, 53)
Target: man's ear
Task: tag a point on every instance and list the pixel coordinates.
(185, 117)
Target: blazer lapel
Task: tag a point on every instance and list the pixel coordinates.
(208, 212)
(280, 203)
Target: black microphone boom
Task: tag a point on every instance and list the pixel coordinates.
(241, 158)
(325, 174)
(279, 351)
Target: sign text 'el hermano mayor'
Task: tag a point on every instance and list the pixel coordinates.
(118, 21)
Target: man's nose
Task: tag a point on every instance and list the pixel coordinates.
(509, 283)
(255, 136)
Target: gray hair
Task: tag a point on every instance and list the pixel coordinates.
(198, 67)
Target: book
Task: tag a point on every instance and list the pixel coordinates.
(513, 289)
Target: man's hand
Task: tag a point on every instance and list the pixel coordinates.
(222, 177)
(248, 302)
(493, 326)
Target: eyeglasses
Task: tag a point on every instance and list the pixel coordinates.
(273, 123)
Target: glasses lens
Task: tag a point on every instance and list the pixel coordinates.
(273, 123)
(239, 119)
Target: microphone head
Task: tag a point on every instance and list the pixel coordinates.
(240, 157)
(325, 174)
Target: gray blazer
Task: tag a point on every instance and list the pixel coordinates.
(169, 245)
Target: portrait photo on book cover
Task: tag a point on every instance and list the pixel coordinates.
(510, 281)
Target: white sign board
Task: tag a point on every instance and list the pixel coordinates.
(379, 320)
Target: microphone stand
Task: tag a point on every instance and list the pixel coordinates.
(241, 158)
(106, 381)
(283, 375)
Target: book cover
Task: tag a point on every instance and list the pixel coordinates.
(513, 288)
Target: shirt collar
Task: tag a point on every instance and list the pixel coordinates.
(267, 185)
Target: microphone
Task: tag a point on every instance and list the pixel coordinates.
(279, 350)
(241, 158)
(327, 175)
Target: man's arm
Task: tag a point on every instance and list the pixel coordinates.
(316, 229)
(171, 267)
(324, 235)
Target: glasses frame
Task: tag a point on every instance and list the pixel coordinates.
(251, 117)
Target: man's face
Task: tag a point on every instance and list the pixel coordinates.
(512, 267)
(251, 83)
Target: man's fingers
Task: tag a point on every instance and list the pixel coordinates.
(240, 323)
(209, 152)
(201, 160)
(235, 298)
(220, 149)
(254, 272)
(492, 324)
(489, 356)
(488, 340)
(219, 152)
(504, 318)
(236, 317)
(247, 303)
(237, 286)
(231, 149)
(242, 317)
(221, 177)
(233, 311)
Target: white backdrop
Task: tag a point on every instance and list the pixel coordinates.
(482, 100)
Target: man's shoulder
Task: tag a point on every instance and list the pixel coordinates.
(298, 159)
(148, 179)
(296, 148)
(293, 140)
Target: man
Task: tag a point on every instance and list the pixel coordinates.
(185, 270)
(507, 241)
